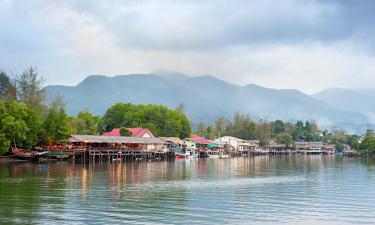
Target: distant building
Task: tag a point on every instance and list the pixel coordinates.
(315, 147)
(135, 131)
(277, 148)
(237, 144)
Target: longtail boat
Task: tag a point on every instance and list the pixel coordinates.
(23, 153)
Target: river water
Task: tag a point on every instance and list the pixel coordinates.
(256, 190)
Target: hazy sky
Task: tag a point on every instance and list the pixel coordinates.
(308, 45)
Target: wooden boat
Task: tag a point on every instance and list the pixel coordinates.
(23, 153)
(181, 154)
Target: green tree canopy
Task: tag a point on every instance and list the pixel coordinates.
(18, 124)
(56, 124)
(159, 119)
(85, 123)
(30, 90)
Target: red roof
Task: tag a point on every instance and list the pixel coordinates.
(136, 132)
(197, 139)
(114, 132)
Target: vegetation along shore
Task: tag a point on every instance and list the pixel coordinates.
(29, 127)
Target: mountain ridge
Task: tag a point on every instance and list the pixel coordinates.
(205, 98)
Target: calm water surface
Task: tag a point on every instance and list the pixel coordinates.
(259, 190)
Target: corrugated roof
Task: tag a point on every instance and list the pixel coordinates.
(200, 140)
(115, 139)
(175, 140)
(136, 132)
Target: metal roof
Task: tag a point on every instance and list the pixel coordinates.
(114, 139)
(174, 140)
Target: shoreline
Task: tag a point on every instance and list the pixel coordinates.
(13, 159)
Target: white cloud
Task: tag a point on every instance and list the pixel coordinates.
(280, 45)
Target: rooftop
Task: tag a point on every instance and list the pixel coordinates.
(115, 139)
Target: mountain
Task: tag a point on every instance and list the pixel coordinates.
(205, 98)
(359, 100)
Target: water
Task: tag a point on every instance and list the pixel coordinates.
(259, 190)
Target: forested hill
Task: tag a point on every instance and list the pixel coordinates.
(205, 98)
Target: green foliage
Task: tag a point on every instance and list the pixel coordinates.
(4, 85)
(85, 123)
(368, 143)
(263, 132)
(159, 119)
(277, 127)
(125, 132)
(241, 127)
(29, 89)
(284, 138)
(56, 124)
(19, 124)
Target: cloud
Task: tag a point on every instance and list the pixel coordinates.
(307, 45)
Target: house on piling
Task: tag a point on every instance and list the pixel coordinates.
(172, 142)
(237, 144)
(274, 148)
(121, 147)
(315, 148)
(204, 147)
(118, 142)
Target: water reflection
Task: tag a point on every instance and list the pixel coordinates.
(264, 190)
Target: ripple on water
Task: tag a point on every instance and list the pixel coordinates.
(260, 190)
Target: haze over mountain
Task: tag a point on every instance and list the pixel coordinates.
(205, 99)
(359, 100)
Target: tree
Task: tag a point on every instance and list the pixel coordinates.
(201, 130)
(159, 119)
(277, 127)
(220, 126)
(56, 124)
(30, 89)
(125, 132)
(368, 143)
(7, 89)
(18, 124)
(284, 138)
(180, 109)
(263, 132)
(85, 123)
(241, 127)
(4, 85)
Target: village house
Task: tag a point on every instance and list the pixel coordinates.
(204, 147)
(274, 148)
(235, 144)
(118, 142)
(315, 148)
(172, 142)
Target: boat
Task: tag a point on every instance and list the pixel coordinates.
(23, 153)
(183, 154)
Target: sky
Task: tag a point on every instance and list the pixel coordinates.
(306, 45)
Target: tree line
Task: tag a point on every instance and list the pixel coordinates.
(26, 121)
(280, 132)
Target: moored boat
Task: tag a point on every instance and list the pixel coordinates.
(23, 153)
(183, 154)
